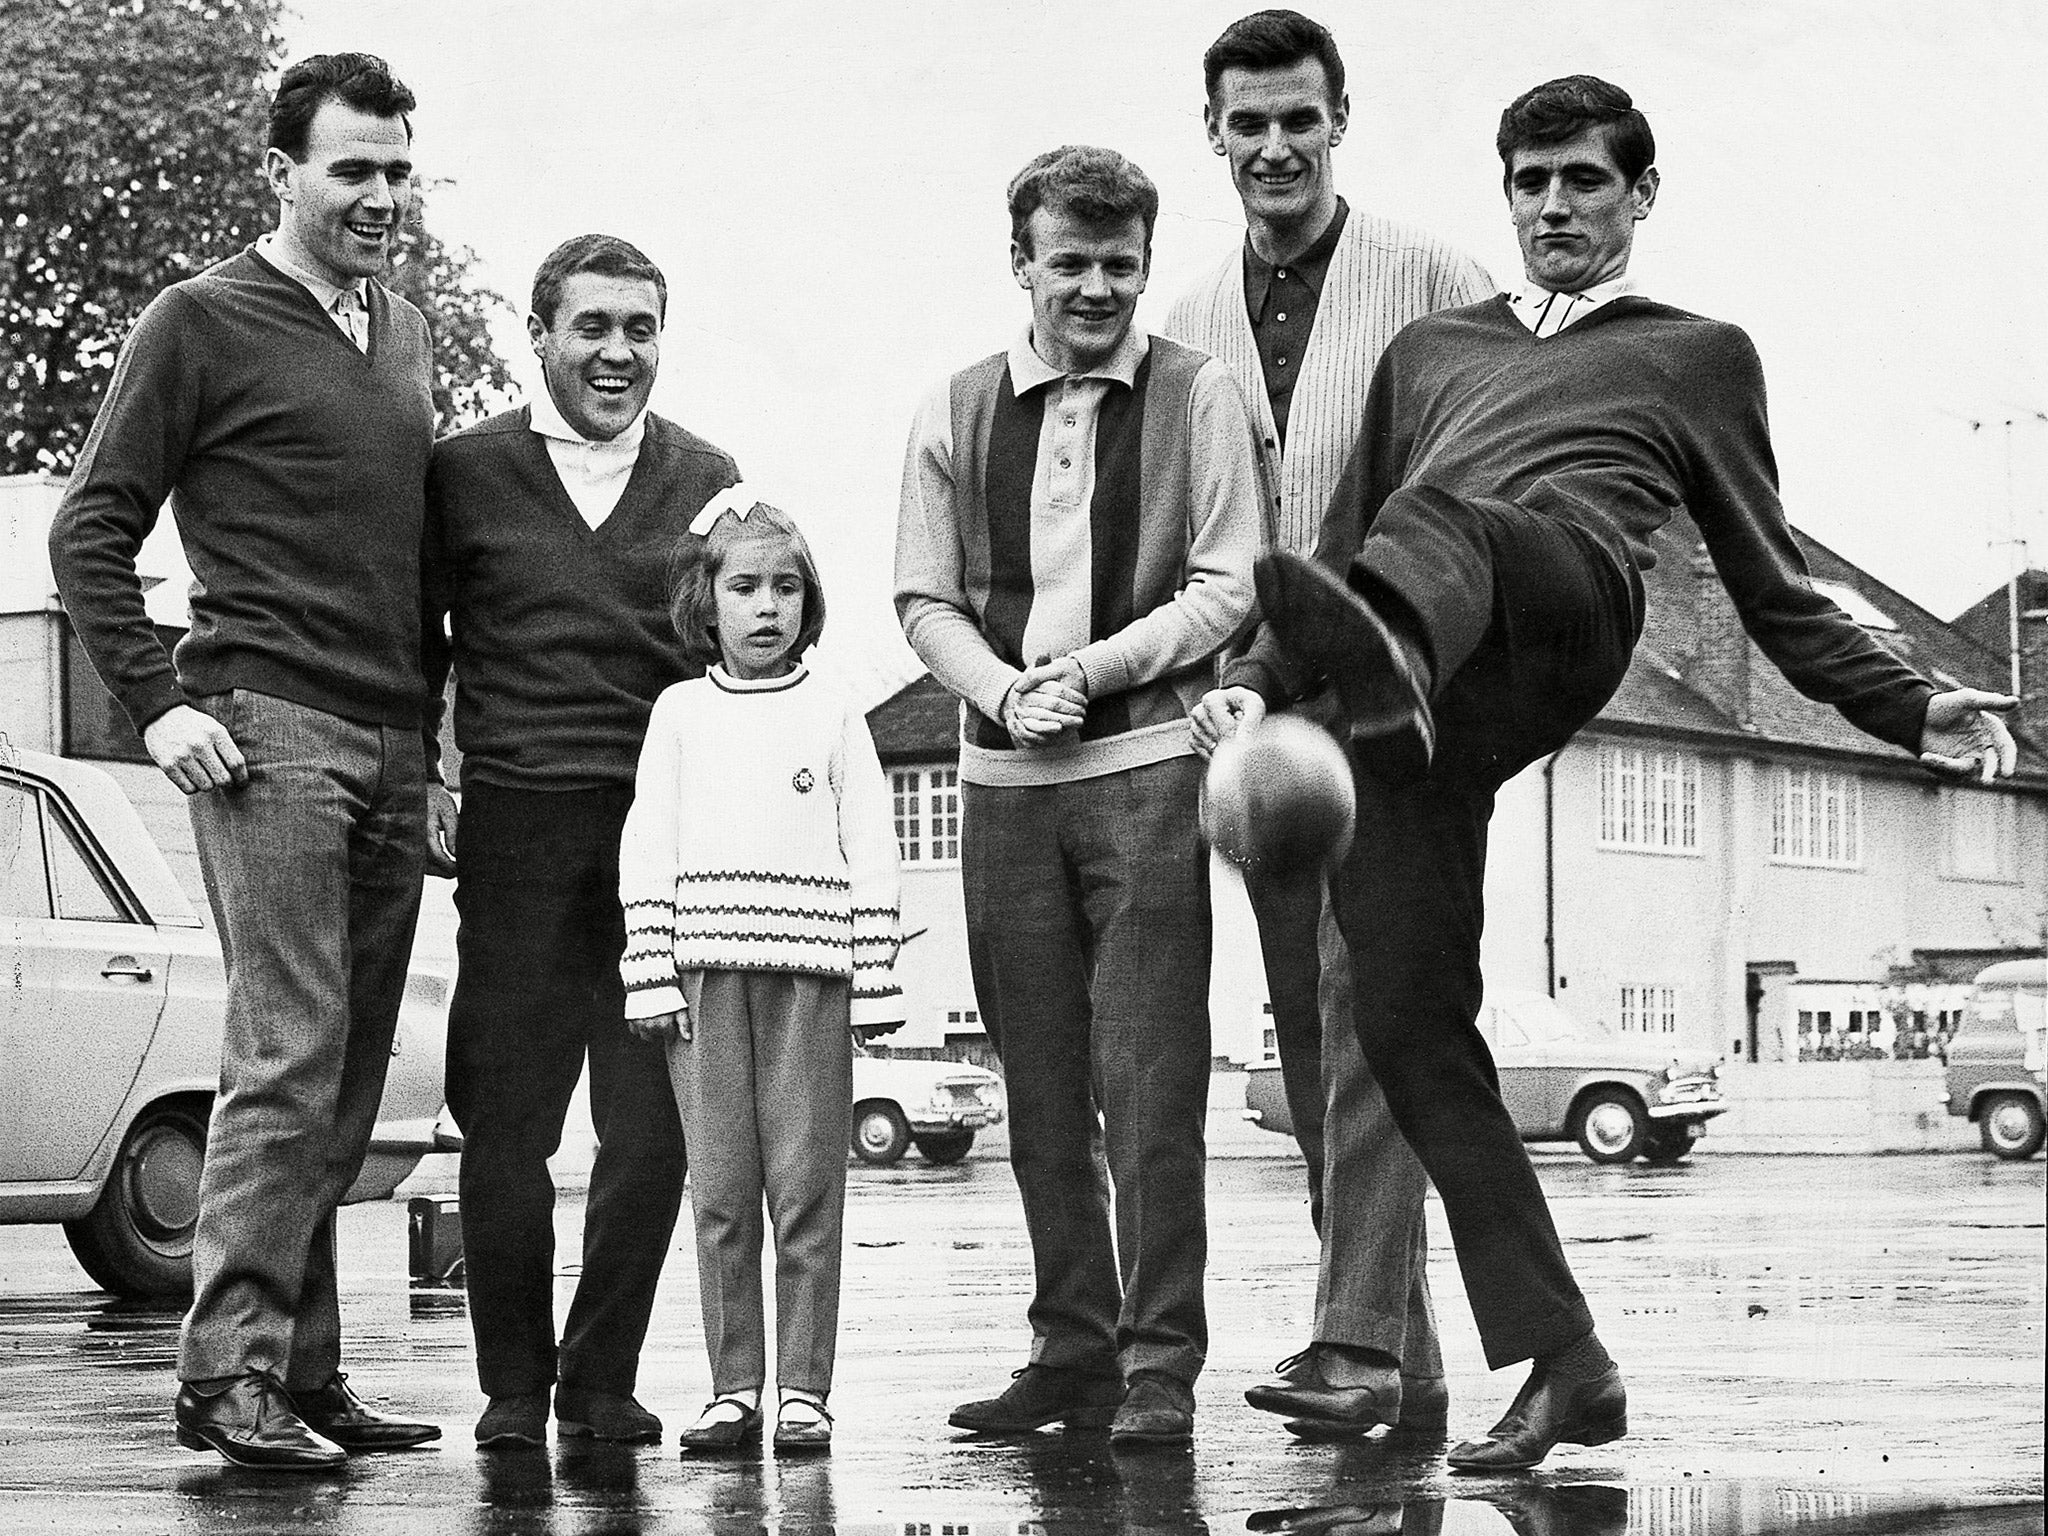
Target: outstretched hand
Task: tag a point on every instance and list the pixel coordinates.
(1964, 736)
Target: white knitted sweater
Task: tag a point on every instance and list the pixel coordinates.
(760, 839)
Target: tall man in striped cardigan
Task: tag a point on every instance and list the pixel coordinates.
(1301, 314)
(1078, 522)
(1474, 599)
(550, 530)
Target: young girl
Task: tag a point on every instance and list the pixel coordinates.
(758, 873)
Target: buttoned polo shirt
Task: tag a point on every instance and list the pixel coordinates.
(593, 471)
(1546, 312)
(348, 308)
(1063, 484)
(1280, 300)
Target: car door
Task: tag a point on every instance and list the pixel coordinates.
(85, 983)
(1521, 1073)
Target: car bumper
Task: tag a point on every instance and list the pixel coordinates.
(1696, 1111)
(955, 1120)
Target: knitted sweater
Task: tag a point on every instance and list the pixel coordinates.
(1381, 276)
(1164, 575)
(561, 633)
(1635, 413)
(296, 468)
(760, 839)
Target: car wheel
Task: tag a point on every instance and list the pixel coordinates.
(945, 1148)
(1671, 1142)
(2011, 1126)
(880, 1133)
(1611, 1126)
(136, 1241)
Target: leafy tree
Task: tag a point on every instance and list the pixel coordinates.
(129, 138)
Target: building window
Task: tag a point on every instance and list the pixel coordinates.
(1983, 835)
(1649, 800)
(926, 802)
(1817, 818)
(1651, 1010)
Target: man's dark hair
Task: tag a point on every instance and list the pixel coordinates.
(1563, 109)
(359, 80)
(1273, 40)
(606, 255)
(1097, 187)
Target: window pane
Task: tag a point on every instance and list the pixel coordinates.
(24, 881)
(81, 895)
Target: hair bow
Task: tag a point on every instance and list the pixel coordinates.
(739, 500)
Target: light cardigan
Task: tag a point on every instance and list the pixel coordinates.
(760, 839)
(1382, 276)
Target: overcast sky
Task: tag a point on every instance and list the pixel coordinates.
(1861, 184)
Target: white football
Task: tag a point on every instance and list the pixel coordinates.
(1278, 798)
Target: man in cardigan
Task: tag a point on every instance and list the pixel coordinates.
(550, 532)
(1474, 598)
(1301, 314)
(1078, 522)
(281, 401)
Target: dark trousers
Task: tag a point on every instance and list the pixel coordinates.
(537, 994)
(1088, 930)
(1288, 913)
(1530, 622)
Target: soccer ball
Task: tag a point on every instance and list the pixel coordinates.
(1278, 801)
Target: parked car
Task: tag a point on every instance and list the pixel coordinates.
(110, 1024)
(1996, 1069)
(1618, 1096)
(937, 1106)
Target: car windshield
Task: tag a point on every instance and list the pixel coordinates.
(1543, 1022)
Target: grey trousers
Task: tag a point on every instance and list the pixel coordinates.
(1372, 1283)
(765, 1088)
(313, 869)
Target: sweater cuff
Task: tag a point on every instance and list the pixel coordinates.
(152, 700)
(877, 1009)
(1105, 670)
(650, 1002)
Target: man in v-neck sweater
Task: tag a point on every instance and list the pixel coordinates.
(1474, 598)
(281, 401)
(550, 531)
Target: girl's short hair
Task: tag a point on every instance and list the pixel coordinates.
(698, 560)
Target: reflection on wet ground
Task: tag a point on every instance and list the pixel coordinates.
(1823, 1346)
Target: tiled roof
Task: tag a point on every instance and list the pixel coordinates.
(917, 723)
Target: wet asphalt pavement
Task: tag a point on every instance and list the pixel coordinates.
(1817, 1344)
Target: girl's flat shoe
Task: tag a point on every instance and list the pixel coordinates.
(726, 1424)
(803, 1425)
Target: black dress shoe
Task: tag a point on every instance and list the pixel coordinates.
(1380, 681)
(1547, 1413)
(1158, 1412)
(1319, 1408)
(336, 1412)
(250, 1421)
(1040, 1395)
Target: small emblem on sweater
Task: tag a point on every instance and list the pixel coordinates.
(804, 781)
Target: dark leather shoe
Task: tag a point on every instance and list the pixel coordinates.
(250, 1422)
(615, 1416)
(517, 1421)
(1380, 681)
(1546, 1414)
(1040, 1395)
(336, 1412)
(1158, 1410)
(1303, 1392)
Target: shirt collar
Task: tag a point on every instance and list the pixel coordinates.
(1529, 299)
(1029, 371)
(272, 250)
(1311, 266)
(546, 418)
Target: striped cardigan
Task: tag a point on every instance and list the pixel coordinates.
(1162, 584)
(1382, 276)
(760, 839)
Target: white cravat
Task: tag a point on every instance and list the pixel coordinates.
(593, 472)
(1546, 313)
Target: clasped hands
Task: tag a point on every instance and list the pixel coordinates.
(1047, 700)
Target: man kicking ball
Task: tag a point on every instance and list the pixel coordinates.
(1473, 598)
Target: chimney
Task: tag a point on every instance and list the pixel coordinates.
(1720, 659)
